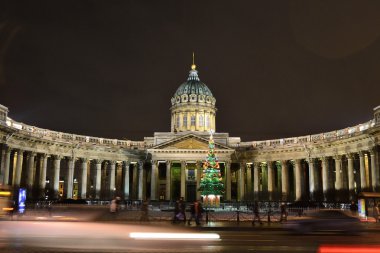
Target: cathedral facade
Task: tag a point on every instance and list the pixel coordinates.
(331, 166)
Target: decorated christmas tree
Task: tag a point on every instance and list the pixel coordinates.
(211, 186)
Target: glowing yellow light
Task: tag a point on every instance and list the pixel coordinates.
(7, 208)
(5, 193)
(175, 236)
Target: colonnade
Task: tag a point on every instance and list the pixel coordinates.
(42, 174)
(334, 178)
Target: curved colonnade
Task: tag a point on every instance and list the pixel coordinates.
(331, 166)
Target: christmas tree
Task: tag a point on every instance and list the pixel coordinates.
(211, 186)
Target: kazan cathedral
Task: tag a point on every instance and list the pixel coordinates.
(331, 166)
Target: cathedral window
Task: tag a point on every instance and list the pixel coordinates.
(207, 121)
(193, 120)
(185, 120)
(201, 120)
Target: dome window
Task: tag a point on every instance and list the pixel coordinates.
(185, 98)
(193, 98)
(178, 99)
(201, 98)
(208, 99)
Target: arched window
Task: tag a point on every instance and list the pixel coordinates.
(201, 120)
(208, 121)
(185, 120)
(177, 123)
(192, 120)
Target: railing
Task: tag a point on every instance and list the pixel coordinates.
(66, 137)
(328, 136)
(72, 138)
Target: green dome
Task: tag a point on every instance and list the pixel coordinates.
(193, 86)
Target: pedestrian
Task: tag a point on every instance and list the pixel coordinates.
(113, 208)
(176, 212)
(193, 206)
(353, 208)
(182, 209)
(256, 215)
(284, 213)
(198, 214)
(144, 211)
(377, 213)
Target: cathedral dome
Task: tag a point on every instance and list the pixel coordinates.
(193, 106)
(193, 90)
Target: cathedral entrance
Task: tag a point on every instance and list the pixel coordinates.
(191, 192)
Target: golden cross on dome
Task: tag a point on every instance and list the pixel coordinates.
(193, 66)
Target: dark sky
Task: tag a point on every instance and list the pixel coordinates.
(109, 68)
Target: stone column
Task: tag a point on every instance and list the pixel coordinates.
(6, 164)
(241, 182)
(153, 180)
(351, 177)
(199, 170)
(298, 179)
(363, 180)
(17, 175)
(325, 177)
(183, 179)
(141, 183)
(256, 180)
(312, 181)
(112, 178)
(227, 166)
(134, 180)
(284, 180)
(30, 174)
(126, 180)
(374, 171)
(42, 179)
(249, 179)
(168, 181)
(270, 179)
(83, 185)
(57, 168)
(338, 178)
(70, 177)
(98, 182)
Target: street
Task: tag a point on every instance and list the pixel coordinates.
(42, 236)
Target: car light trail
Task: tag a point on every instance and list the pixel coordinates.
(174, 236)
(349, 249)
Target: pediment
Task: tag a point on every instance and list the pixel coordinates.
(188, 142)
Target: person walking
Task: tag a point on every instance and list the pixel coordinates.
(182, 209)
(113, 208)
(256, 215)
(177, 214)
(284, 213)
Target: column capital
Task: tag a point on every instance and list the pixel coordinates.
(362, 153)
(31, 154)
(7, 148)
(56, 157)
(337, 157)
(284, 162)
(112, 162)
(20, 151)
(256, 164)
(350, 156)
(83, 159)
(324, 158)
(126, 163)
(98, 161)
(44, 155)
(310, 160)
(70, 158)
(373, 151)
(141, 164)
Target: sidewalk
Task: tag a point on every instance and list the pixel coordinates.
(226, 221)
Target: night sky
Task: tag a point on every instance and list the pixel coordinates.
(109, 68)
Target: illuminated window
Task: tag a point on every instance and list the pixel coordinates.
(207, 121)
(193, 120)
(177, 124)
(185, 120)
(201, 120)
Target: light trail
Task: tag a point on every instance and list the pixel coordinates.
(174, 236)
